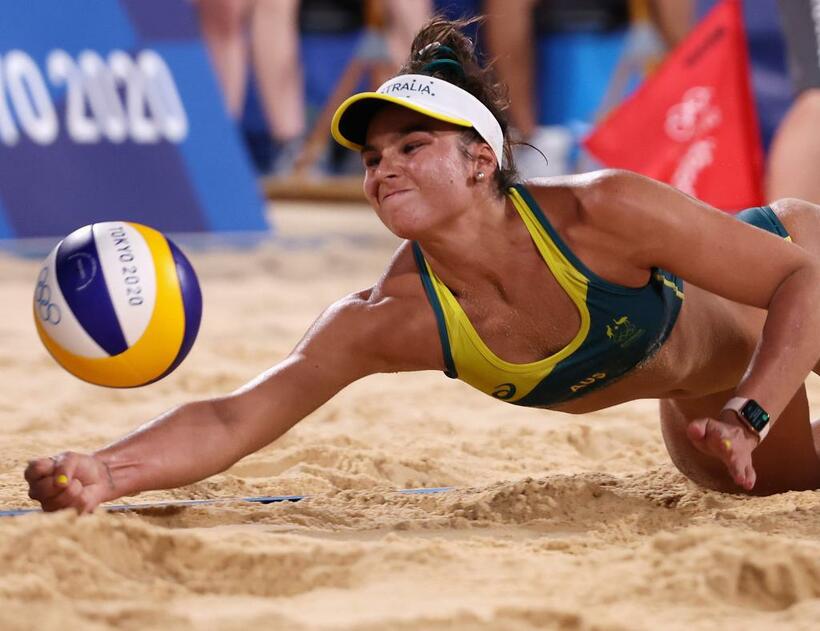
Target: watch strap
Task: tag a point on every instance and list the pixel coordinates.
(736, 405)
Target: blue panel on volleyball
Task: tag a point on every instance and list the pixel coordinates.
(112, 112)
(93, 304)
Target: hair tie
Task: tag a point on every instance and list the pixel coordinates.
(444, 64)
(444, 59)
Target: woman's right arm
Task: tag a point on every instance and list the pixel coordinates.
(355, 337)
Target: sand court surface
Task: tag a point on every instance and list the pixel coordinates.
(554, 521)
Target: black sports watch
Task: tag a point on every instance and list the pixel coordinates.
(750, 412)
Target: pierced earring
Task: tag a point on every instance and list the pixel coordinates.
(479, 176)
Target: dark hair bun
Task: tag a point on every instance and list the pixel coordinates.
(443, 40)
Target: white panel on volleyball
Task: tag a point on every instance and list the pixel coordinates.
(57, 319)
(130, 275)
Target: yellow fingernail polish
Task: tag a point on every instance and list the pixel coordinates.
(62, 479)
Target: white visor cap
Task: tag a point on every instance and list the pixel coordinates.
(431, 96)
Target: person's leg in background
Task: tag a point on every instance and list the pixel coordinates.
(510, 38)
(673, 19)
(795, 150)
(404, 18)
(278, 70)
(223, 27)
(512, 44)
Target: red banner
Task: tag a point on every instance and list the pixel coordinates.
(693, 123)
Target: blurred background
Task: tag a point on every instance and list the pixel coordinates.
(189, 114)
(568, 65)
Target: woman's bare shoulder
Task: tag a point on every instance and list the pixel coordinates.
(396, 317)
(565, 199)
(601, 200)
(401, 276)
(603, 216)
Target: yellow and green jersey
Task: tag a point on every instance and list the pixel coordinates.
(620, 326)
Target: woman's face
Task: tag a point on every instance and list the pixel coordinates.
(416, 172)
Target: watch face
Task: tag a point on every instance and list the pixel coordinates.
(755, 415)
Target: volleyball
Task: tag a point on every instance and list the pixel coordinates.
(117, 304)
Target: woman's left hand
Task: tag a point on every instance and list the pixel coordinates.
(730, 441)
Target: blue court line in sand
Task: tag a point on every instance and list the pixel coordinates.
(264, 499)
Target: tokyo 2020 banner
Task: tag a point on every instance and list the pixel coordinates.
(109, 110)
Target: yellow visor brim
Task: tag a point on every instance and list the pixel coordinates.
(352, 117)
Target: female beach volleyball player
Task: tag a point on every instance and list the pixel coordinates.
(572, 294)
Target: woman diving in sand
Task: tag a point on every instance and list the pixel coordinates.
(573, 294)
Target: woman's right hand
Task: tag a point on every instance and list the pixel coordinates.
(727, 439)
(69, 480)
